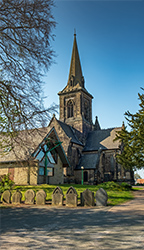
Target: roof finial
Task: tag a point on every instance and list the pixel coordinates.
(97, 125)
(123, 125)
(74, 32)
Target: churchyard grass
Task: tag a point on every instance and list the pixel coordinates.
(117, 194)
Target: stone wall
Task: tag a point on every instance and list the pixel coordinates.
(3, 169)
(78, 176)
(72, 150)
(23, 173)
(58, 177)
(79, 120)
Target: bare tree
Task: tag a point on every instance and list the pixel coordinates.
(25, 54)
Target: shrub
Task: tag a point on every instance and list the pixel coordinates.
(110, 185)
(5, 183)
(126, 186)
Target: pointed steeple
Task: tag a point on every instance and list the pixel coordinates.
(97, 125)
(75, 73)
(75, 100)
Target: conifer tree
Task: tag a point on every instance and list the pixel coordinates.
(132, 147)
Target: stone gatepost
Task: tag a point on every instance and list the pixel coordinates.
(16, 197)
(71, 197)
(6, 196)
(57, 197)
(40, 197)
(87, 198)
(29, 196)
(101, 197)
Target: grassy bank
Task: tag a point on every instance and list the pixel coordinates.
(117, 194)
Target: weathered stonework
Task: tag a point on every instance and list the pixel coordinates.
(78, 176)
(24, 173)
(29, 197)
(6, 196)
(101, 197)
(87, 198)
(71, 197)
(40, 197)
(58, 177)
(16, 197)
(82, 118)
(57, 197)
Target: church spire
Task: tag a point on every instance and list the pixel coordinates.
(75, 100)
(75, 73)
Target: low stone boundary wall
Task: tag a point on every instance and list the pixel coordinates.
(86, 197)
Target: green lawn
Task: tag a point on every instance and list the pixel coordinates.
(117, 194)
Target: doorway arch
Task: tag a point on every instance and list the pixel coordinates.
(85, 176)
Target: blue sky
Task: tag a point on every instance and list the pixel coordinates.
(110, 37)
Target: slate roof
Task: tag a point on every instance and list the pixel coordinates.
(70, 132)
(75, 66)
(102, 139)
(88, 161)
(27, 142)
(24, 144)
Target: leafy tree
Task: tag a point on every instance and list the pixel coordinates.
(132, 150)
(25, 55)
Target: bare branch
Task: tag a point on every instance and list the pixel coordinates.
(25, 53)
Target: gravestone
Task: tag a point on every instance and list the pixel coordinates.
(6, 196)
(101, 197)
(71, 197)
(29, 196)
(16, 197)
(87, 198)
(57, 197)
(40, 197)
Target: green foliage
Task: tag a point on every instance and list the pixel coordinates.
(125, 186)
(132, 150)
(5, 183)
(110, 185)
(119, 197)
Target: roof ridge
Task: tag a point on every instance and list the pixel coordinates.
(106, 129)
(72, 130)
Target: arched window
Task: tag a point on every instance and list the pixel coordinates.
(70, 109)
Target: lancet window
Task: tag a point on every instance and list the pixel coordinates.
(70, 109)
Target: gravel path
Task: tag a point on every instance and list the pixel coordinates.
(45, 227)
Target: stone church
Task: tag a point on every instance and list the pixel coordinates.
(69, 149)
(88, 147)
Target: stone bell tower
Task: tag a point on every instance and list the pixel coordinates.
(75, 100)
